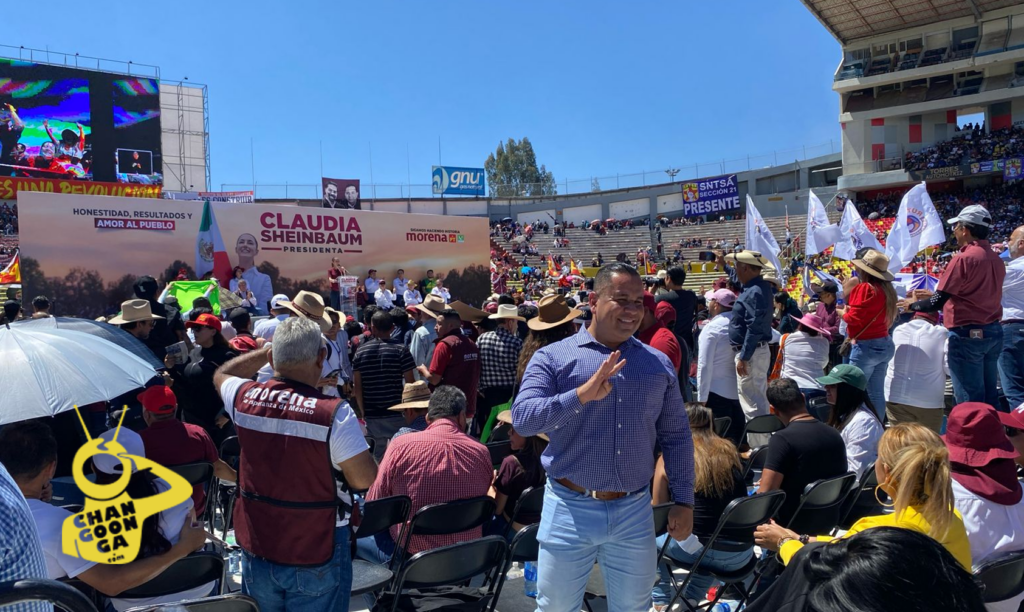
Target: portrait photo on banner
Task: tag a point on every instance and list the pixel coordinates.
(341, 193)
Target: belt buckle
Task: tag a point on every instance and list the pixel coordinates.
(593, 495)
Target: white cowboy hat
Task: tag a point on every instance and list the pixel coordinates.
(507, 311)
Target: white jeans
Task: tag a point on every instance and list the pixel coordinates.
(752, 388)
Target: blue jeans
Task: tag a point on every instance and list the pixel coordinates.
(280, 588)
(872, 357)
(1011, 364)
(576, 530)
(974, 363)
(720, 560)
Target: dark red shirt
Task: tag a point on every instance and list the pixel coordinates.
(333, 275)
(457, 361)
(659, 337)
(974, 281)
(172, 442)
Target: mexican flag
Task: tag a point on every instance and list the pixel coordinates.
(210, 253)
(12, 273)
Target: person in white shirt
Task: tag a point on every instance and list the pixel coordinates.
(441, 292)
(400, 284)
(265, 328)
(986, 491)
(337, 370)
(853, 415)
(915, 381)
(716, 364)
(383, 297)
(370, 282)
(803, 355)
(247, 297)
(412, 295)
(1011, 359)
(28, 451)
(423, 339)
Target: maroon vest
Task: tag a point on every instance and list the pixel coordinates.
(288, 497)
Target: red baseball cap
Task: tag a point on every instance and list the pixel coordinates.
(205, 320)
(665, 313)
(649, 301)
(158, 399)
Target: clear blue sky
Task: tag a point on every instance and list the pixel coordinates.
(599, 87)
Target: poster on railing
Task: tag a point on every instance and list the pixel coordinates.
(1012, 169)
(711, 196)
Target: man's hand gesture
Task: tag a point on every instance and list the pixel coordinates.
(598, 387)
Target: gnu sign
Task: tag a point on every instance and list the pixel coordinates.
(447, 180)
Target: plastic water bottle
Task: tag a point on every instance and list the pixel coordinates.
(530, 579)
(727, 606)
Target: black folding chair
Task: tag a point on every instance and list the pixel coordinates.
(524, 548)
(764, 424)
(754, 462)
(230, 452)
(1002, 576)
(236, 602)
(722, 425)
(371, 442)
(530, 502)
(52, 591)
(498, 451)
(378, 516)
(741, 515)
(200, 473)
(862, 500)
(186, 573)
(449, 565)
(820, 505)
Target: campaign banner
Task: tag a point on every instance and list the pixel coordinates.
(449, 180)
(715, 194)
(242, 197)
(1012, 169)
(341, 193)
(11, 186)
(86, 250)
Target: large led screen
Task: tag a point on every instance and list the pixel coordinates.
(67, 123)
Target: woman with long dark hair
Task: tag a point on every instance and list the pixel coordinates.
(211, 351)
(853, 415)
(871, 312)
(718, 479)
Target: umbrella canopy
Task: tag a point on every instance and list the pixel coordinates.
(611, 220)
(506, 220)
(596, 222)
(49, 371)
(525, 270)
(110, 333)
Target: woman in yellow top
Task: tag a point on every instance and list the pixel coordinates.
(913, 468)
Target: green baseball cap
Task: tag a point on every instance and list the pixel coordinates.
(845, 373)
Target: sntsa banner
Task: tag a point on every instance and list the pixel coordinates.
(82, 248)
(707, 196)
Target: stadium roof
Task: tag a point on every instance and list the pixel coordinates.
(849, 20)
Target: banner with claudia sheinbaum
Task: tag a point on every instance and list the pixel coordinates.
(87, 250)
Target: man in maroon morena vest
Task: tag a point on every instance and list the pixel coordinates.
(291, 519)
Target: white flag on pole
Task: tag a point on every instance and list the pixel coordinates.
(760, 238)
(917, 226)
(820, 233)
(856, 235)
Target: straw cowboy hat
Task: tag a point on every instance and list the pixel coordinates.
(769, 274)
(507, 311)
(467, 312)
(552, 311)
(311, 306)
(505, 416)
(432, 305)
(751, 258)
(134, 311)
(874, 263)
(415, 396)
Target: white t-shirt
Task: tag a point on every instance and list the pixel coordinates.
(346, 439)
(992, 529)
(804, 359)
(265, 329)
(861, 434)
(916, 375)
(716, 366)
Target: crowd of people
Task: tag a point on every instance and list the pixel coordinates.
(970, 144)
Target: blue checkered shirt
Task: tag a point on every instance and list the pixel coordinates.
(607, 445)
(21, 554)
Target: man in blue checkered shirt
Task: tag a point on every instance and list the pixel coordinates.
(21, 554)
(604, 398)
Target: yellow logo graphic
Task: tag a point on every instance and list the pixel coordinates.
(691, 193)
(109, 527)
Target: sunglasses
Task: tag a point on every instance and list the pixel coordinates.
(1011, 431)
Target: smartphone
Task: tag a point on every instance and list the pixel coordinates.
(706, 256)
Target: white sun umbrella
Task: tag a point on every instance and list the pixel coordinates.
(47, 371)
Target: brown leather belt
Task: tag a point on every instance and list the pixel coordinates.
(599, 495)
